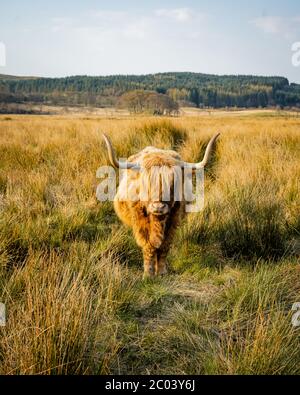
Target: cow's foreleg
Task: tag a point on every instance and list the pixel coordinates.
(149, 254)
(161, 262)
(170, 227)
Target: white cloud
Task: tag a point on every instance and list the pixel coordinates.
(61, 23)
(178, 14)
(277, 25)
(108, 26)
(107, 14)
(137, 30)
(98, 24)
(269, 24)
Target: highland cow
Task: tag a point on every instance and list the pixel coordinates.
(153, 218)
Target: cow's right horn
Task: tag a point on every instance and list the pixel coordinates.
(208, 151)
(113, 159)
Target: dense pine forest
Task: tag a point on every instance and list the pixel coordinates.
(199, 90)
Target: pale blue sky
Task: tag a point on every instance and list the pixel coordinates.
(63, 37)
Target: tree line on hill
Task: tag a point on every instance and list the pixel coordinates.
(157, 93)
(139, 101)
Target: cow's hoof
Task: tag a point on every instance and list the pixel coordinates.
(161, 269)
(162, 272)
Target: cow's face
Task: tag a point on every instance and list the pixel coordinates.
(158, 208)
(159, 183)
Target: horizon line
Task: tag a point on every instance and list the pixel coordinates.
(146, 74)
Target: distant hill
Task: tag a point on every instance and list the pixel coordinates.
(200, 90)
(14, 77)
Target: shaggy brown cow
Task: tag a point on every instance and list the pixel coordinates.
(153, 220)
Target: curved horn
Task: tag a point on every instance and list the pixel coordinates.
(113, 159)
(208, 151)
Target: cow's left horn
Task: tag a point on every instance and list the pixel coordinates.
(208, 151)
(113, 159)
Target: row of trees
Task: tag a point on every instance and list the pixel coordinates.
(148, 101)
(201, 90)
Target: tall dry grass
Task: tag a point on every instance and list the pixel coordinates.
(70, 273)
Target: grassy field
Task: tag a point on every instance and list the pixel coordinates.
(71, 274)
